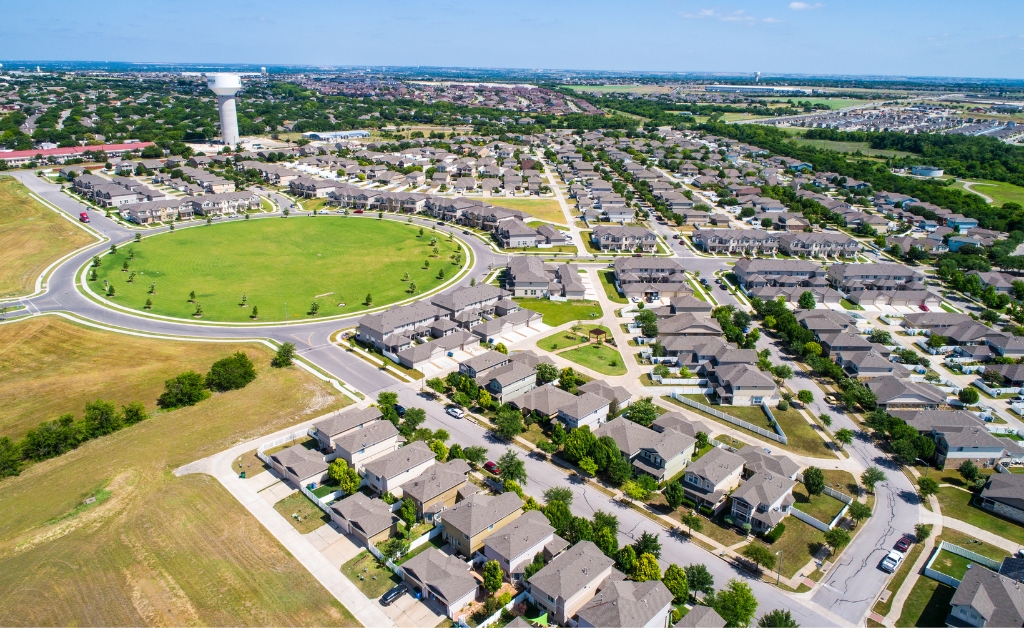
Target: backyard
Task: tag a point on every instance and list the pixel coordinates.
(558, 313)
(301, 513)
(608, 281)
(369, 575)
(822, 507)
(597, 357)
(798, 544)
(32, 237)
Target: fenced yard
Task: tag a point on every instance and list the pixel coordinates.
(303, 514)
(369, 575)
(822, 507)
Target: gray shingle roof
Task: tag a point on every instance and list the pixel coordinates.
(568, 573)
(436, 480)
(756, 460)
(629, 436)
(400, 460)
(474, 515)
(716, 465)
(370, 516)
(701, 617)
(545, 399)
(583, 405)
(446, 576)
(997, 598)
(301, 462)
(343, 421)
(372, 434)
(677, 421)
(525, 532)
(624, 604)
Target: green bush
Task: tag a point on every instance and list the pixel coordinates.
(231, 373)
(689, 503)
(776, 532)
(707, 511)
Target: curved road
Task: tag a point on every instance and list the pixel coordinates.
(846, 595)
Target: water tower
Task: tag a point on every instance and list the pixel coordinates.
(226, 86)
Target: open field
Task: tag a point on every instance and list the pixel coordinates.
(601, 358)
(49, 366)
(998, 191)
(160, 549)
(277, 263)
(543, 208)
(831, 103)
(31, 238)
(557, 313)
(621, 89)
(851, 147)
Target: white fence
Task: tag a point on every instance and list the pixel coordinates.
(959, 551)
(287, 438)
(777, 437)
(995, 392)
(426, 537)
(678, 381)
(522, 597)
(813, 521)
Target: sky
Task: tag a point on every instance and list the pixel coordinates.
(984, 39)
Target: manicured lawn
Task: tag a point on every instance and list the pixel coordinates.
(970, 543)
(598, 357)
(998, 191)
(543, 208)
(369, 576)
(608, 281)
(849, 305)
(557, 313)
(303, 514)
(955, 503)
(566, 339)
(799, 543)
(436, 542)
(822, 507)
(31, 238)
(700, 451)
(331, 260)
(927, 604)
(851, 147)
(953, 564)
(161, 548)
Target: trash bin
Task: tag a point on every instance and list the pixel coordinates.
(242, 475)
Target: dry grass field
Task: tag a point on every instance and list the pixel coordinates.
(159, 550)
(543, 208)
(31, 238)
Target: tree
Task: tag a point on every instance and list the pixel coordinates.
(766, 223)
(392, 548)
(700, 579)
(134, 412)
(922, 531)
(825, 419)
(635, 491)
(646, 568)
(969, 396)
(231, 373)
(807, 300)
(183, 390)
(501, 348)
(493, 575)
(648, 544)
(871, 477)
(858, 511)
(968, 471)
(345, 476)
(777, 619)
(674, 495)
(284, 356)
(814, 480)
(625, 560)
(558, 494)
(437, 385)
(407, 512)
(508, 423)
(578, 443)
(476, 454)
(880, 336)
(805, 396)
(844, 436)
(368, 301)
(735, 603)
(546, 373)
(837, 538)
(568, 380)
(702, 440)
(642, 411)
(579, 529)
(675, 581)
(619, 470)
(512, 467)
(534, 567)
(559, 516)
(760, 555)
(440, 450)
(606, 541)
(484, 399)
(255, 312)
(812, 349)
(101, 417)
(927, 486)
(692, 521)
(558, 434)
(587, 465)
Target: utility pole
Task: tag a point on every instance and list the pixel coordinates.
(286, 312)
(778, 576)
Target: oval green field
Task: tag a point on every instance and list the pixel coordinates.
(332, 260)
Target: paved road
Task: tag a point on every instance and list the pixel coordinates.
(849, 590)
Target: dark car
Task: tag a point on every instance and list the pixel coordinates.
(400, 410)
(440, 222)
(393, 594)
(466, 232)
(902, 545)
(490, 467)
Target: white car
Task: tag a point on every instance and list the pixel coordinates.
(458, 413)
(891, 561)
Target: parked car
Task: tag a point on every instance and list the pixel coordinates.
(400, 410)
(458, 413)
(891, 561)
(465, 232)
(704, 281)
(393, 594)
(358, 211)
(902, 545)
(440, 222)
(490, 467)
(84, 217)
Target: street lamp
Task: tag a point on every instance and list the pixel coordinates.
(778, 576)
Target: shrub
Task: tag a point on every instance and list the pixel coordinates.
(776, 532)
(707, 511)
(231, 373)
(783, 405)
(184, 390)
(689, 503)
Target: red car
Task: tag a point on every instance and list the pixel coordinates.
(83, 217)
(358, 211)
(490, 467)
(902, 545)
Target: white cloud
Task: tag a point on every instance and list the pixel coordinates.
(805, 6)
(738, 15)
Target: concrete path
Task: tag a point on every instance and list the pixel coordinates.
(981, 535)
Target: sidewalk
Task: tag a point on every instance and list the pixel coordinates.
(900, 597)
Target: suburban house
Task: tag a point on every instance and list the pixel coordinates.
(869, 364)
(515, 545)
(709, 480)
(441, 578)
(472, 520)
(384, 473)
(617, 394)
(299, 465)
(661, 455)
(986, 598)
(341, 423)
(1004, 494)
(585, 409)
(436, 489)
(531, 277)
(763, 500)
(369, 520)
(508, 381)
(818, 244)
(360, 446)
(569, 581)
(701, 617)
(932, 322)
(954, 444)
(894, 393)
(618, 238)
(624, 603)
(543, 400)
(741, 385)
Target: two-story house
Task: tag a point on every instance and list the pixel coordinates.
(360, 446)
(469, 522)
(763, 500)
(369, 520)
(986, 598)
(569, 581)
(384, 473)
(441, 578)
(515, 545)
(341, 423)
(436, 489)
(709, 480)
(624, 603)
(741, 385)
